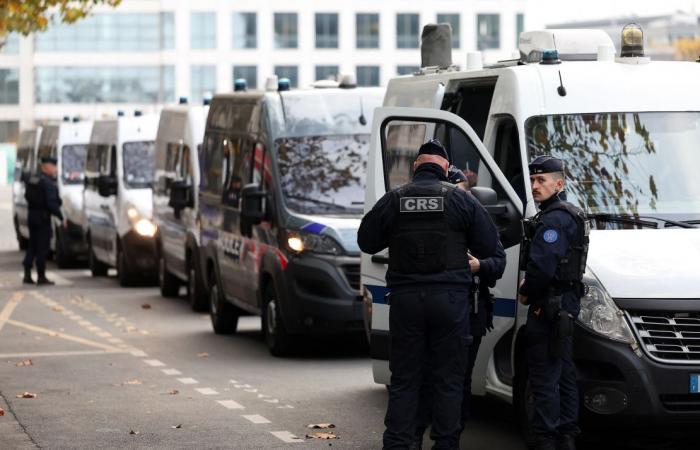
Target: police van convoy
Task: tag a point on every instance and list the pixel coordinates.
(67, 141)
(280, 201)
(117, 205)
(175, 199)
(25, 165)
(627, 129)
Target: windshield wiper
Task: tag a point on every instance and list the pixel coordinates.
(317, 201)
(638, 220)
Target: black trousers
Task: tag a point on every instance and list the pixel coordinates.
(38, 249)
(427, 325)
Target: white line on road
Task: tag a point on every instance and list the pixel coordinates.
(187, 380)
(171, 371)
(256, 418)
(151, 362)
(272, 400)
(139, 353)
(252, 391)
(115, 341)
(66, 353)
(286, 436)
(206, 391)
(105, 334)
(230, 404)
(233, 381)
(285, 407)
(239, 386)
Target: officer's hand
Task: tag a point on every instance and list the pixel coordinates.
(474, 264)
(522, 299)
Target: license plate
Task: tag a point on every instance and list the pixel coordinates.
(694, 383)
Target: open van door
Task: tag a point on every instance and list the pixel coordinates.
(397, 134)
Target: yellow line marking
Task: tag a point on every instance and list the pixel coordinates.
(65, 336)
(10, 307)
(66, 353)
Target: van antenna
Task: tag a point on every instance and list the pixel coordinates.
(362, 118)
(561, 90)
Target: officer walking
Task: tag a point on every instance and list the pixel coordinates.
(554, 259)
(428, 226)
(43, 202)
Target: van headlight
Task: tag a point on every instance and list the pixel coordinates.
(316, 243)
(132, 213)
(600, 314)
(145, 228)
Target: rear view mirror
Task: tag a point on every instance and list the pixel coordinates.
(107, 185)
(181, 195)
(252, 205)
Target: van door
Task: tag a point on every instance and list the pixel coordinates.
(171, 230)
(105, 227)
(397, 134)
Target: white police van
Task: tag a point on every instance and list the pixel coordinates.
(118, 203)
(25, 165)
(67, 141)
(628, 130)
(175, 198)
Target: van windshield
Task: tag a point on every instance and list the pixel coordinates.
(323, 174)
(73, 159)
(625, 163)
(139, 164)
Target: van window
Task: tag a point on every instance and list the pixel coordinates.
(185, 166)
(139, 163)
(472, 102)
(212, 164)
(73, 163)
(233, 180)
(508, 157)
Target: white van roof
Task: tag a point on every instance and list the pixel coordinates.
(125, 129)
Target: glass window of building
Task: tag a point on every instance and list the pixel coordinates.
(407, 33)
(9, 86)
(110, 32)
(286, 30)
(367, 30)
(203, 30)
(326, 30)
(488, 31)
(248, 73)
(453, 20)
(368, 75)
(202, 82)
(245, 30)
(135, 84)
(11, 46)
(9, 131)
(327, 72)
(291, 72)
(406, 70)
(519, 27)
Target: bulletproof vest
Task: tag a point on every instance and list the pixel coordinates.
(33, 193)
(422, 240)
(572, 266)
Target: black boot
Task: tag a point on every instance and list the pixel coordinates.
(417, 443)
(544, 442)
(566, 442)
(27, 276)
(41, 278)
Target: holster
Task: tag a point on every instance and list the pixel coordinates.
(489, 312)
(560, 321)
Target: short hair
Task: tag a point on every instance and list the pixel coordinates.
(559, 176)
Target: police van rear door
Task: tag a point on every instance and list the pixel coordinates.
(397, 133)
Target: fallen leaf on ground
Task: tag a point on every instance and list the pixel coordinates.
(26, 395)
(132, 382)
(203, 355)
(26, 362)
(133, 432)
(130, 328)
(2, 412)
(58, 308)
(174, 392)
(324, 436)
(320, 426)
(144, 332)
(179, 425)
(53, 334)
(146, 306)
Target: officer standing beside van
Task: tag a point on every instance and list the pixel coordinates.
(428, 226)
(43, 201)
(554, 260)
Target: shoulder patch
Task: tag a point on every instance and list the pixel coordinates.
(550, 236)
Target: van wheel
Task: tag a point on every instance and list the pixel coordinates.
(62, 258)
(97, 268)
(169, 284)
(196, 295)
(123, 274)
(524, 400)
(224, 316)
(279, 341)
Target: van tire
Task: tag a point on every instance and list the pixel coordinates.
(168, 283)
(97, 267)
(124, 275)
(279, 341)
(196, 294)
(61, 258)
(523, 399)
(224, 316)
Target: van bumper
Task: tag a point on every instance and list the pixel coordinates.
(322, 295)
(140, 252)
(619, 388)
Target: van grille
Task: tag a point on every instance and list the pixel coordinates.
(668, 336)
(681, 402)
(352, 273)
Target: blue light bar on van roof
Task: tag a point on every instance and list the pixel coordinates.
(183, 100)
(240, 85)
(206, 101)
(550, 56)
(138, 113)
(120, 113)
(284, 84)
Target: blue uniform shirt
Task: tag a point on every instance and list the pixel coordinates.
(51, 198)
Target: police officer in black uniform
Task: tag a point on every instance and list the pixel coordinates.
(43, 202)
(554, 259)
(428, 225)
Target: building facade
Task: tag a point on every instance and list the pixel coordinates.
(147, 53)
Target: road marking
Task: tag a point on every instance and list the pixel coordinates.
(115, 341)
(187, 380)
(67, 337)
(139, 353)
(171, 371)
(10, 307)
(240, 386)
(206, 391)
(95, 329)
(252, 391)
(66, 353)
(105, 334)
(153, 362)
(273, 400)
(285, 407)
(286, 436)
(85, 323)
(233, 381)
(256, 418)
(230, 404)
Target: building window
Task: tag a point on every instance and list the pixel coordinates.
(453, 20)
(248, 73)
(368, 75)
(286, 32)
(326, 30)
(519, 27)
(290, 72)
(203, 30)
(202, 82)
(138, 84)
(488, 31)
(406, 70)
(9, 86)
(110, 32)
(326, 72)
(11, 46)
(9, 131)
(407, 31)
(245, 30)
(367, 33)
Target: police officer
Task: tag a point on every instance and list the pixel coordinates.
(428, 226)
(554, 259)
(43, 202)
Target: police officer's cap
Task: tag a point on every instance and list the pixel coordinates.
(455, 175)
(434, 147)
(546, 164)
(49, 160)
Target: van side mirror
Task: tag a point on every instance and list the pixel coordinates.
(181, 195)
(107, 185)
(489, 200)
(252, 205)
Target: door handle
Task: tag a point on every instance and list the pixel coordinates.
(104, 207)
(380, 259)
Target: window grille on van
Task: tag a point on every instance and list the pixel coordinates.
(352, 273)
(671, 337)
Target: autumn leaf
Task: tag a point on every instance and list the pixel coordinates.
(26, 362)
(132, 382)
(320, 426)
(203, 355)
(179, 425)
(2, 412)
(146, 306)
(26, 395)
(133, 432)
(322, 435)
(173, 392)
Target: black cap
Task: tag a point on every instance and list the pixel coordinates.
(49, 160)
(434, 147)
(546, 164)
(455, 175)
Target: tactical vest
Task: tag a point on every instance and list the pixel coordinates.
(422, 241)
(572, 266)
(34, 194)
